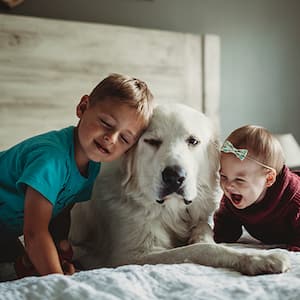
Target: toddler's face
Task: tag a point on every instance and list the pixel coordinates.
(244, 182)
(107, 129)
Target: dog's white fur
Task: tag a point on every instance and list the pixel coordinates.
(137, 216)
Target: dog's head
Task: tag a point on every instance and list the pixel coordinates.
(176, 157)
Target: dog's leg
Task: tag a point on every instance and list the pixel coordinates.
(202, 233)
(251, 262)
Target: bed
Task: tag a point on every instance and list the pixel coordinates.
(46, 66)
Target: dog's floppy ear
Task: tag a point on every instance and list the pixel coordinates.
(128, 166)
(214, 156)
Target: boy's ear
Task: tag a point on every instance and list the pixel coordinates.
(271, 178)
(82, 105)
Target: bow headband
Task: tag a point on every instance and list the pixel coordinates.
(229, 148)
(241, 154)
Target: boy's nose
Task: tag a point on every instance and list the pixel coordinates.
(111, 138)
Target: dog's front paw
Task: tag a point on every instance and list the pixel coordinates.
(202, 233)
(200, 239)
(267, 263)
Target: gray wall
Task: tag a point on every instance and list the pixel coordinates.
(260, 40)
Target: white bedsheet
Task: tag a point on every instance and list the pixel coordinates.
(179, 281)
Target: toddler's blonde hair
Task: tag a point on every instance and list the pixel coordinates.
(261, 145)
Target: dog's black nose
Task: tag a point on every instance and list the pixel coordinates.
(173, 177)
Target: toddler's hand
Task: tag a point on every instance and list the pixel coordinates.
(294, 248)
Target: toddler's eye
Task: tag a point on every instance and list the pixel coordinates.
(222, 177)
(192, 141)
(240, 180)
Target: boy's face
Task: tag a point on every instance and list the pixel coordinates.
(244, 182)
(106, 129)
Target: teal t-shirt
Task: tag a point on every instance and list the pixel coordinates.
(46, 163)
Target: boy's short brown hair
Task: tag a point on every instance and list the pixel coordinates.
(261, 144)
(125, 89)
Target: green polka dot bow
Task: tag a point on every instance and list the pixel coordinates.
(229, 148)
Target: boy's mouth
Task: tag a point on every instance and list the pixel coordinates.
(236, 198)
(101, 148)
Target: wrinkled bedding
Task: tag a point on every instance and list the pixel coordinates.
(178, 281)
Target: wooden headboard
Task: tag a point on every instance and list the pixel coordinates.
(47, 65)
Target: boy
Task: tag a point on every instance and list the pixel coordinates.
(42, 177)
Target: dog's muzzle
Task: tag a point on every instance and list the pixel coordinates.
(173, 178)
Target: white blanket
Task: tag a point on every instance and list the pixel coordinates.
(179, 281)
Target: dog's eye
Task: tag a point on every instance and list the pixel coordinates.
(192, 141)
(153, 142)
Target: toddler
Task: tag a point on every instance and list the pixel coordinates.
(260, 192)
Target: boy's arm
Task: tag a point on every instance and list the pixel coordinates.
(59, 227)
(39, 244)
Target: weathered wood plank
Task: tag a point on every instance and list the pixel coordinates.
(47, 65)
(211, 79)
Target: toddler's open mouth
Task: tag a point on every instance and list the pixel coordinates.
(236, 198)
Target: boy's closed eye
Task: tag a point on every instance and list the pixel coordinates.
(128, 138)
(125, 139)
(106, 123)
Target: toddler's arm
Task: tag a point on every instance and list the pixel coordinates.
(295, 243)
(226, 228)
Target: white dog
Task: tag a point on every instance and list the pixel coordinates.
(154, 207)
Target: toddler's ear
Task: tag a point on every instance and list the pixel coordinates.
(271, 178)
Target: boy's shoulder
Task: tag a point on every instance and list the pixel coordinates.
(62, 137)
(57, 139)
(50, 144)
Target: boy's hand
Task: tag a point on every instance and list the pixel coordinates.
(24, 267)
(65, 254)
(67, 267)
